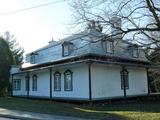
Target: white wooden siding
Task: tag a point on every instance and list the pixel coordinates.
(106, 82)
(79, 81)
(80, 84)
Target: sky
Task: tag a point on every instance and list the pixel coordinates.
(34, 28)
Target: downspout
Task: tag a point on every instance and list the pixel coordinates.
(148, 80)
(124, 89)
(90, 83)
(50, 83)
(124, 85)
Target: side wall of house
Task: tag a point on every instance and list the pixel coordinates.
(106, 82)
(79, 82)
(43, 84)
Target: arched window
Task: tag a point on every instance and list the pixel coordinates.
(57, 81)
(68, 80)
(124, 79)
(34, 83)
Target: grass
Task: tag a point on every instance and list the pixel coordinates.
(148, 110)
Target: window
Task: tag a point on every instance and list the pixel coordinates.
(68, 80)
(32, 58)
(57, 81)
(67, 48)
(124, 79)
(109, 47)
(16, 84)
(34, 83)
(135, 52)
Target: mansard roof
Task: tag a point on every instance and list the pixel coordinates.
(92, 58)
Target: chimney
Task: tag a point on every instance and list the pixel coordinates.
(52, 42)
(94, 26)
(115, 28)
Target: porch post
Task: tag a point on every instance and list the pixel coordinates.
(124, 85)
(89, 78)
(50, 83)
(28, 84)
(148, 80)
(12, 84)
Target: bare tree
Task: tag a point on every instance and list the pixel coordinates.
(140, 19)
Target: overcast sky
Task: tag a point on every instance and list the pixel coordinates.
(34, 28)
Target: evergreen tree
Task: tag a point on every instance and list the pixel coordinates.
(6, 60)
(154, 74)
(17, 51)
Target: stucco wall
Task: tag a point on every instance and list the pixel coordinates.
(22, 91)
(137, 81)
(80, 83)
(43, 84)
(106, 81)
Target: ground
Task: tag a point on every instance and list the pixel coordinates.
(133, 110)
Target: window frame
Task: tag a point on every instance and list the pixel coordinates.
(16, 84)
(69, 46)
(68, 72)
(124, 77)
(34, 82)
(56, 82)
(111, 51)
(135, 50)
(63, 50)
(32, 59)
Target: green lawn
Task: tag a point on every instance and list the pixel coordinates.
(149, 110)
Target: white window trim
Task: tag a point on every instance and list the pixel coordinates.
(135, 52)
(109, 46)
(34, 83)
(68, 83)
(57, 83)
(124, 77)
(17, 84)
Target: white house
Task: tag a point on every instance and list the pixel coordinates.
(85, 66)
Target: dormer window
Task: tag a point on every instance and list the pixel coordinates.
(109, 46)
(32, 57)
(135, 52)
(67, 48)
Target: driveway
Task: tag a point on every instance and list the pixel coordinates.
(22, 115)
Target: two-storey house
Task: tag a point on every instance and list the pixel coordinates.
(85, 66)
